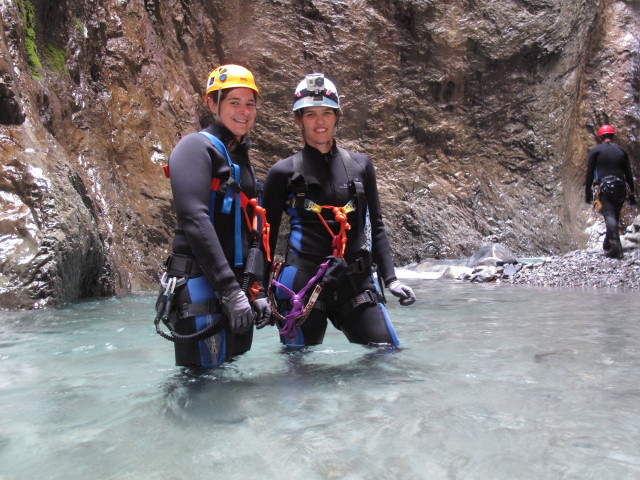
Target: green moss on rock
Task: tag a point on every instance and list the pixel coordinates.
(56, 58)
(27, 13)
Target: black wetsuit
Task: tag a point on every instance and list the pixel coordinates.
(193, 164)
(608, 161)
(309, 243)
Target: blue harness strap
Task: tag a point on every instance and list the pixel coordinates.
(229, 196)
(213, 350)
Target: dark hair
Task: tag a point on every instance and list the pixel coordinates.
(336, 111)
(225, 92)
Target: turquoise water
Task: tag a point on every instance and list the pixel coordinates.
(491, 382)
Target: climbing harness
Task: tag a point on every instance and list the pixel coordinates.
(182, 267)
(300, 311)
(165, 308)
(609, 186)
(254, 265)
(339, 240)
(231, 190)
(356, 190)
(612, 185)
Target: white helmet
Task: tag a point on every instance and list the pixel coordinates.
(316, 91)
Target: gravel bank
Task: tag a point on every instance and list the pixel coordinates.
(582, 268)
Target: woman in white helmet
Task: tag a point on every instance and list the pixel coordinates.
(210, 291)
(337, 235)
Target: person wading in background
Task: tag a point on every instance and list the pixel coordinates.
(609, 177)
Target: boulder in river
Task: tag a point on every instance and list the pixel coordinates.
(494, 255)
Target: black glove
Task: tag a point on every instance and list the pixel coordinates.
(404, 293)
(238, 311)
(632, 199)
(263, 312)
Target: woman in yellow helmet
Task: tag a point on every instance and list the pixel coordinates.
(210, 299)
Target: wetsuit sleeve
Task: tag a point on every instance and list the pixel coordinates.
(379, 243)
(192, 164)
(591, 168)
(274, 199)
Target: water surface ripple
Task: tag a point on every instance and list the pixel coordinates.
(491, 382)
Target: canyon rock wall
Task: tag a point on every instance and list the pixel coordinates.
(478, 115)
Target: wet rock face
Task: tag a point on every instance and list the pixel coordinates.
(11, 112)
(477, 114)
(51, 247)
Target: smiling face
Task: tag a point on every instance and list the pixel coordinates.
(237, 110)
(318, 125)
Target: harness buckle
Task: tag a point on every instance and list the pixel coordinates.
(358, 266)
(369, 297)
(231, 182)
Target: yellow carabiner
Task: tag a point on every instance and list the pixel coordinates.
(349, 207)
(311, 206)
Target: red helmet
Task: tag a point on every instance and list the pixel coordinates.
(604, 129)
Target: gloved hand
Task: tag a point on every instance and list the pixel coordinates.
(632, 199)
(404, 293)
(238, 311)
(263, 312)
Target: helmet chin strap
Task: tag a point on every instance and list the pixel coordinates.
(217, 114)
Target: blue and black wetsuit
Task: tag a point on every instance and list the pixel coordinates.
(355, 305)
(608, 163)
(207, 235)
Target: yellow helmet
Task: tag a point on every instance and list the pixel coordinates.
(230, 76)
